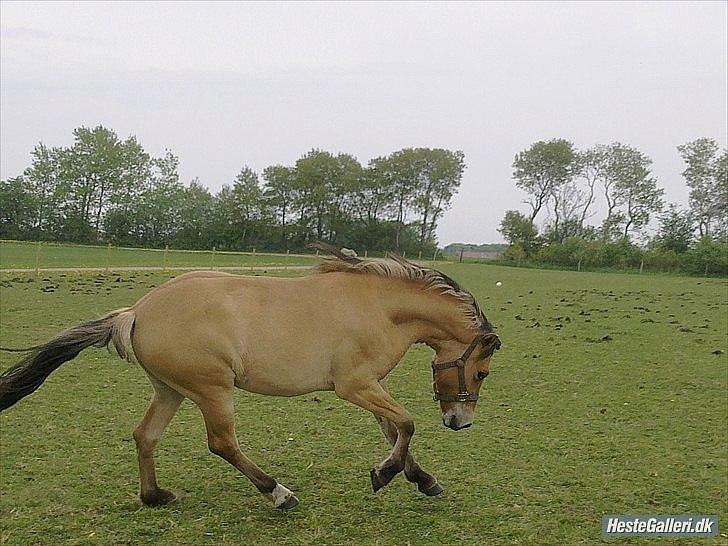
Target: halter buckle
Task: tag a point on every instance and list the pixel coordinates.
(463, 396)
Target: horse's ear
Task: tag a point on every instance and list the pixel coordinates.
(491, 343)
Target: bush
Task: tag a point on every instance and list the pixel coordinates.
(707, 257)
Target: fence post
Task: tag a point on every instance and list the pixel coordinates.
(37, 260)
(213, 257)
(253, 262)
(288, 253)
(166, 262)
(461, 254)
(578, 266)
(642, 266)
(419, 255)
(366, 253)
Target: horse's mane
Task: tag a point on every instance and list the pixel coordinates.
(396, 267)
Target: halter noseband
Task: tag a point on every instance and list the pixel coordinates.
(462, 395)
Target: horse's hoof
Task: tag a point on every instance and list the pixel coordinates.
(381, 477)
(290, 502)
(158, 497)
(430, 490)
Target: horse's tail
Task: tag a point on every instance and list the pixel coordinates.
(30, 373)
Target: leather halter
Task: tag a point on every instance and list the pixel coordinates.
(462, 395)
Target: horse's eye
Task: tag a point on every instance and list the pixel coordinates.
(482, 375)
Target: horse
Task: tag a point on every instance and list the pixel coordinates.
(342, 328)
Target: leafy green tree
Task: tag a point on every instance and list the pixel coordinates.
(396, 176)
(281, 196)
(542, 169)
(372, 198)
(197, 218)
(313, 172)
(158, 208)
(677, 229)
(630, 190)
(42, 179)
(519, 231)
(90, 174)
(438, 173)
(324, 183)
(592, 165)
(707, 177)
(122, 220)
(18, 209)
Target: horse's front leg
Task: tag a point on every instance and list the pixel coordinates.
(371, 396)
(426, 482)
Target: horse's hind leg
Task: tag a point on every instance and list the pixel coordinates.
(217, 409)
(165, 403)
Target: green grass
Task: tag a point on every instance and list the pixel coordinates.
(15, 254)
(571, 425)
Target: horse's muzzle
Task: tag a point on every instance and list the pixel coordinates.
(452, 423)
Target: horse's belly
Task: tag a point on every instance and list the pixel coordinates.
(281, 384)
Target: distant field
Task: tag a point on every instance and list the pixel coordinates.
(606, 397)
(23, 255)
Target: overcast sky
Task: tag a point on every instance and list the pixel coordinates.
(227, 84)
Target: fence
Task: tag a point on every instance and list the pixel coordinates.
(25, 256)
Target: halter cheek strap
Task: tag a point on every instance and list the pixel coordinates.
(462, 395)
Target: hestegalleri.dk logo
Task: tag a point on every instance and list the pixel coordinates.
(676, 526)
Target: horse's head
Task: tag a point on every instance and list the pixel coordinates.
(458, 371)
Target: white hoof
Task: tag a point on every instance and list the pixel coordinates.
(282, 497)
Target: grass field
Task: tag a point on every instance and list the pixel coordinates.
(23, 255)
(606, 397)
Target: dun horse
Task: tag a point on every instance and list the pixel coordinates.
(344, 328)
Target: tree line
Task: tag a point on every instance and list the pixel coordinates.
(563, 185)
(105, 189)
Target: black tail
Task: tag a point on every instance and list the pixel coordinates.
(30, 373)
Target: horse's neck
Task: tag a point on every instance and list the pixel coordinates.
(426, 316)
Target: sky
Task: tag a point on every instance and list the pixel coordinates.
(224, 85)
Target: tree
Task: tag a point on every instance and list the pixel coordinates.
(519, 231)
(18, 208)
(631, 192)
(122, 220)
(280, 193)
(348, 173)
(706, 176)
(313, 172)
(542, 169)
(677, 228)
(438, 173)
(248, 206)
(197, 217)
(91, 174)
(158, 208)
(396, 173)
(42, 179)
(591, 166)
(373, 196)
(324, 184)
